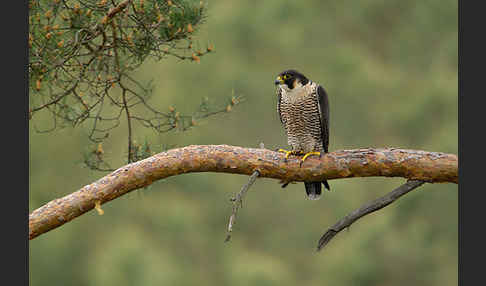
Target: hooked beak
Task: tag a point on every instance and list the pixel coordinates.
(278, 81)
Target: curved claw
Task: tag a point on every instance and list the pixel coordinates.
(307, 155)
(288, 153)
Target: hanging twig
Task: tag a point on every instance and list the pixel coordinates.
(238, 203)
(367, 209)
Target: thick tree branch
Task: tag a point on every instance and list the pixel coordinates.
(431, 167)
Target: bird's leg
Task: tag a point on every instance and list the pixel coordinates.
(288, 153)
(307, 155)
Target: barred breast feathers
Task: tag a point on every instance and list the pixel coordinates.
(300, 115)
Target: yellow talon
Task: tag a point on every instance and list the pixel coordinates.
(288, 153)
(310, 153)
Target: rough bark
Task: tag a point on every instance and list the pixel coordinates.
(432, 167)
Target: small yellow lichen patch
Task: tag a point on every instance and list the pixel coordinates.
(98, 208)
(99, 150)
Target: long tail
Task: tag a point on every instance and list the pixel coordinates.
(314, 189)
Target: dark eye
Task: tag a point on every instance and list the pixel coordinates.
(286, 76)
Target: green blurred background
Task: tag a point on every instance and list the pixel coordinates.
(390, 69)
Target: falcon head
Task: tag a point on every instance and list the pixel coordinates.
(290, 79)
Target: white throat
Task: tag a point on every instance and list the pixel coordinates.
(297, 90)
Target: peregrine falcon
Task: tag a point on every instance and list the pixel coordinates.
(303, 109)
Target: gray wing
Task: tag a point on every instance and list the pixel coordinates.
(279, 98)
(324, 115)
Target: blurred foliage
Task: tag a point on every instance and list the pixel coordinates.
(390, 69)
(82, 55)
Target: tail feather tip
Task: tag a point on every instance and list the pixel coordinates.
(313, 190)
(314, 197)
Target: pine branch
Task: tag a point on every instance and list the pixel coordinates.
(432, 167)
